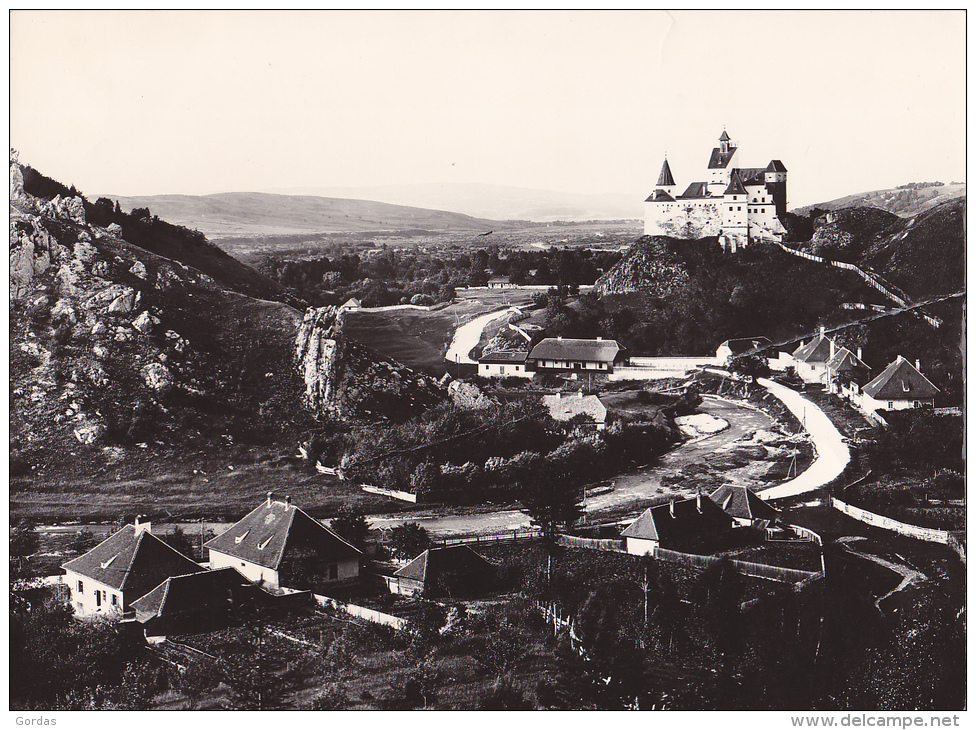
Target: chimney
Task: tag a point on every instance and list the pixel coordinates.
(918, 365)
(599, 339)
(580, 394)
(823, 330)
(698, 502)
(859, 356)
(142, 526)
(270, 495)
(559, 337)
(831, 348)
(671, 508)
(288, 501)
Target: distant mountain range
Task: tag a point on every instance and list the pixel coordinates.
(905, 200)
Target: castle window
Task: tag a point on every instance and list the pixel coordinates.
(739, 208)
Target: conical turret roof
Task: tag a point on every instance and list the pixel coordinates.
(665, 178)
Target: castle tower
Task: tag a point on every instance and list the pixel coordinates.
(665, 181)
(720, 164)
(775, 176)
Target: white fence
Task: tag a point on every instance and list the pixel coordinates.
(367, 614)
(886, 523)
(872, 280)
(394, 493)
(509, 536)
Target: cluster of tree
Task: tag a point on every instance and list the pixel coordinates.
(918, 439)
(388, 276)
(501, 450)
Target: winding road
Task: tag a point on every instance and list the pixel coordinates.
(467, 336)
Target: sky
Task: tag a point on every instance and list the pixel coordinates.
(195, 102)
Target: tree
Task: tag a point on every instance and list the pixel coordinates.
(83, 541)
(505, 695)
(351, 527)
(24, 542)
(408, 541)
(179, 541)
(553, 499)
(752, 366)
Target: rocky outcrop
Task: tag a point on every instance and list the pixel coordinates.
(647, 267)
(344, 379)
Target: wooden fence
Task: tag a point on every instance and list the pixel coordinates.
(756, 570)
(871, 279)
(617, 546)
(367, 614)
(507, 536)
(394, 493)
(928, 534)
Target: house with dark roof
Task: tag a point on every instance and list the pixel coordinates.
(563, 354)
(744, 506)
(277, 544)
(737, 204)
(109, 577)
(733, 348)
(810, 358)
(453, 570)
(899, 386)
(504, 364)
(846, 373)
(197, 602)
(687, 525)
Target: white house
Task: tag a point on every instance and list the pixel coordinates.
(898, 387)
(264, 542)
(561, 354)
(107, 579)
(744, 506)
(844, 370)
(810, 359)
(564, 407)
(737, 204)
(504, 364)
(732, 348)
(687, 524)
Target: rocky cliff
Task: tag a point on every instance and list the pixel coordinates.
(649, 266)
(344, 379)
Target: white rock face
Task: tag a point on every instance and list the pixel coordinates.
(157, 376)
(145, 322)
(139, 269)
(115, 229)
(99, 329)
(124, 303)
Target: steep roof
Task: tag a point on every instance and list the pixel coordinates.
(844, 359)
(264, 534)
(816, 350)
(658, 523)
(775, 166)
(900, 381)
(659, 196)
(554, 348)
(695, 190)
(745, 344)
(725, 137)
(194, 592)
(720, 160)
(565, 407)
(132, 562)
(504, 356)
(434, 561)
(752, 175)
(740, 502)
(665, 178)
(735, 185)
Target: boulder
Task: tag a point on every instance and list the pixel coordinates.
(139, 269)
(124, 303)
(157, 376)
(145, 322)
(99, 329)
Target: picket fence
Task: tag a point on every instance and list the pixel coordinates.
(394, 493)
(928, 534)
(367, 614)
(507, 536)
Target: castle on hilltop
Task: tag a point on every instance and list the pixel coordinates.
(737, 204)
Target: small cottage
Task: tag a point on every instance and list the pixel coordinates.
(109, 577)
(686, 525)
(811, 358)
(744, 506)
(733, 348)
(899, 386)
(567, 406)
(454, 570)
(278, 544)
(846, 372)
(559, 354)
(504, 364)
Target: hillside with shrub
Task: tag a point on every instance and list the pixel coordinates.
(905, 200)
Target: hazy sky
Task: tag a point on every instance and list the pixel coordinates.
(139, 102)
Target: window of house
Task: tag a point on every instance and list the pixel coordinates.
(81, 587)
(333, 572)
(891, 405)
(739, 208)
(501, 370)
(98, 598)
(115, 599)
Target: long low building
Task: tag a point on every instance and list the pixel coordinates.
(562, 354)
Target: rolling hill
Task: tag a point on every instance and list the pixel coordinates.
(905, 200)
(225, 215)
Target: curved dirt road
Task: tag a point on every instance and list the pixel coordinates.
(467, 336)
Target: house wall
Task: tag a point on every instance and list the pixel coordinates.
(404, 586)
(811, 372)
(640, 546)
(587, 365)
(252, 571)
(94, 598)
(503, 370)
(870, 404)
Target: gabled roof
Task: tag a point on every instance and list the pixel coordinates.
(720, 160)
(735, 185)
(554, 348)
(745, 344)
(351, 303)
(665, 178)
(740, 502)
(900, 381)
(563, 407)
(433, 562)
(659, 196)
(132, 562)
(263, 536)
(657, 523)
(775, 166)
(816, 350)
(752, 175)
(504, 356)
(194, 592)
(695, 190)
(844, 359)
